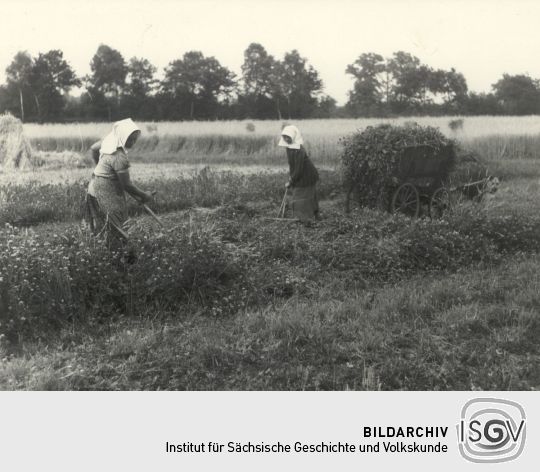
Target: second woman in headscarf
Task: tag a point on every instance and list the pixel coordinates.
(303, 175)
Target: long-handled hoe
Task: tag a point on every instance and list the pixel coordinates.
(281, 212)
(147, 209)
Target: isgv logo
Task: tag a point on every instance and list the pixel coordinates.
(491, 430)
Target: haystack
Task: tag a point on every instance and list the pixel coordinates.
(15, 150)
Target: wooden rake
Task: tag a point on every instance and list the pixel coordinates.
(281, 211)
(152, 214)
(147, 209)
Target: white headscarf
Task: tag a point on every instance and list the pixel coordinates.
(294, 134)
(118, 136)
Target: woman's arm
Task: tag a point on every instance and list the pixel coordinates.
(129, 187)
(94, 150)
(296, 164)
(120, 166)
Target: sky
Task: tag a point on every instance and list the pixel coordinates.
(480, 38)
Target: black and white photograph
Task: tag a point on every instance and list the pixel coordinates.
(270, 196)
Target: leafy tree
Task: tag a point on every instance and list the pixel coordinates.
(298, 83)
(454, 88)
(369, 86)
(326, 107)
(8, 102)
(196, 84)
(401, 84)
(18, 76)
(257, 70)
(438, 82)
(137, 100)
(51, 79)
(423, 76)
(482, 104)
(259, 82)
(404, 69)
(518, 94)
(140, 74)
(109, 71)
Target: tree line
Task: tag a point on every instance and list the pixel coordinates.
(198, 87)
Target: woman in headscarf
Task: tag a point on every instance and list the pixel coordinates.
(106, 200)
(303, 175)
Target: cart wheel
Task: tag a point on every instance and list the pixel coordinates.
(481, 189)
(406, 200)
(444, 200)
(439, 203)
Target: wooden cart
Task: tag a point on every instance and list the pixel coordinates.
(423, 181)
(422, 172)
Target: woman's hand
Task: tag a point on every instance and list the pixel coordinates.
(148, 197)
(138, 194)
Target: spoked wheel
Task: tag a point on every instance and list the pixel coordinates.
(439, 203)
(406, 200)
(443, 201)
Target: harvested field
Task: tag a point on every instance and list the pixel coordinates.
(226, 298)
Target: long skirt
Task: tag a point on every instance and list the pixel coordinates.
(106, 208)
(304, 203)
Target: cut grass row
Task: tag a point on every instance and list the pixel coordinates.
(233, 259)
(31, 202)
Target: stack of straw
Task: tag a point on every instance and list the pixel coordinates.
(15, 150)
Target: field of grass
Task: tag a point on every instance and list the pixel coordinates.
(473, 126)
(227, 298)
(494, 138)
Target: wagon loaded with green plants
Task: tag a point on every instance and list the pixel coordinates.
(404, 169)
